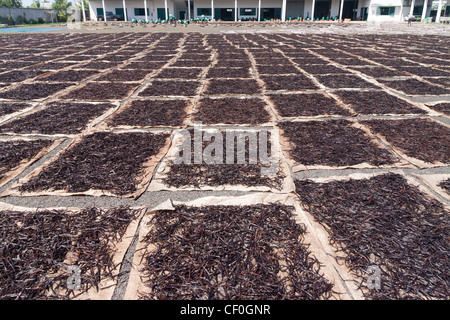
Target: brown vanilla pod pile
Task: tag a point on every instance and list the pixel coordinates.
(35, 245)
(230, 252)
(100, 161)
(386, 222)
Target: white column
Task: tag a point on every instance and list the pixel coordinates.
(411, 10)
(165, 8)
(235, 11)
(312, 9)
(82, 10)
(91, 13)
(145, 8)
(341, 10)
(212, 10)
(401, 12)
(438, 14)
(189, 10)
(104, 10)
(424, 11)
(259, 10)
(124, 11)
(283, 11)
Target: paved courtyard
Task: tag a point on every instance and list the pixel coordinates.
(118, 167)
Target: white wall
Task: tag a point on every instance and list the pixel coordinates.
(229, 4)
(250, 5)
(207, 4)
(335, 7)
(308, 8)
(373, 10)
(363, 4)
(421, 3)
(295, 8)
(111, 5)
(28, 13)
(179, 6)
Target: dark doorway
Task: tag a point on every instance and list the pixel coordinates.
(270, 13)
(444, 13)
(161, 13)
(322, 9)
(182, 15)
(100, 13)
(350, 9)
(227, 14)
(418, 11)
(364, 14)
(119, 12)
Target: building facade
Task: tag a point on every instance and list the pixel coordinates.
(260, 10)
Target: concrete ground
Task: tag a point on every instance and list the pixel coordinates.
(276, 27)
(353, 27)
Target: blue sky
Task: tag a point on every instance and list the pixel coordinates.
(26, 3)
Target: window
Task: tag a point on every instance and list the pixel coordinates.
(247, 11)
(387, 11)
(99, 12)
(204, 11)
(161, 13)
(140, 11)
(418, 10)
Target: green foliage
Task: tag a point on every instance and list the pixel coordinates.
(7, 20)
(21, 20)
(86, 4)
(11, 3)
(61, 6)
(62, 16)
(35, 5)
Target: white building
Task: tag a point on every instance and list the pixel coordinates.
(233, 10)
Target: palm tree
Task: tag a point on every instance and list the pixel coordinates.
(61, 6)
